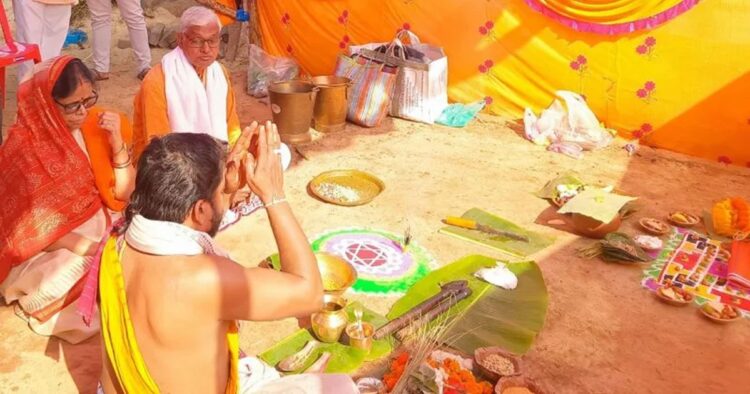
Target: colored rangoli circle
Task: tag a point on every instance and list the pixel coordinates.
(383, 266)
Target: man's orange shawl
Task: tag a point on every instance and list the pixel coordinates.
(150, 117)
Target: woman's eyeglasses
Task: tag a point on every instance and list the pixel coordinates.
(72, 108)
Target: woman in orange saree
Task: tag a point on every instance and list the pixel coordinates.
(66, 170)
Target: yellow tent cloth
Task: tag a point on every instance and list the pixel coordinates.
(681, 85)
(119, 336)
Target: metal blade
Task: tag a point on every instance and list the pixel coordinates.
(489, 230)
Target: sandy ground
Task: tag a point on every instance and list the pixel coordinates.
(603, 333)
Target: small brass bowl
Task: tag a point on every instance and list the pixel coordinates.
(337, 274)
(360, 339)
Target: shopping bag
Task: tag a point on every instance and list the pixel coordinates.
(371, 89)
(421, 91)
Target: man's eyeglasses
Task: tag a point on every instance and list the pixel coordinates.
(199, 42)
(72, 108)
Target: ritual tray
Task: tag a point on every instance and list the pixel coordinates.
(365, 185)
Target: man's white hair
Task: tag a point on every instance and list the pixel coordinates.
(198, 16)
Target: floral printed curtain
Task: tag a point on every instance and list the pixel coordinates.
(671, 73)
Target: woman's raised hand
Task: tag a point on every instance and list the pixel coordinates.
(110, 121)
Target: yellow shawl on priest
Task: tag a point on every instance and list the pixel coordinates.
(131, 371)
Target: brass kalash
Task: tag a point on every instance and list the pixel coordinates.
(338, 276)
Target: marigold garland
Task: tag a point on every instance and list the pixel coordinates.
(731, 216)
(397, 369)
(459, 380)
(742, 214)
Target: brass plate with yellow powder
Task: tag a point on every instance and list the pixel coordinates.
(346, 187)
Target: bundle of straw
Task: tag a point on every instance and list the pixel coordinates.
(420, 344)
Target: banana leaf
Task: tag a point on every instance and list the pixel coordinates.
(344, 359)
(549, 191)
(614, 244)
(509, 246)
(490, 316)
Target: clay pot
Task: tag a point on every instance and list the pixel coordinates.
(516, 381)
(593, 228)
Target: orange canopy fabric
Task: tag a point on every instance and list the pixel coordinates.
(682, 85)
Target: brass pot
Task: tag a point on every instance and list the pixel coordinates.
(292, 104)
(329, 323)
(331, 103)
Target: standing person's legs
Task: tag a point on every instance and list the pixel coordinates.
(101, 31)
(29, 27)
(56, 23)
(132, 14)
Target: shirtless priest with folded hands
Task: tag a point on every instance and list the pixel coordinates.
(170, 297)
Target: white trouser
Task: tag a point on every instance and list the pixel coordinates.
(101, 26)
(43, 24)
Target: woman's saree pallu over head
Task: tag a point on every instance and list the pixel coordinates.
(47, 185)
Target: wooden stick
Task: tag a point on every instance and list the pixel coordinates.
(447, 290)
(431, 314)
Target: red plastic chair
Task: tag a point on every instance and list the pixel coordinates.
(13, 53)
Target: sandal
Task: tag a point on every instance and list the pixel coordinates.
(143, 73)
(101, 76)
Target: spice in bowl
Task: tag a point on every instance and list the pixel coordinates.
(516, 385)
(720, 311)
(683, 219)
(499, 365)
(654, 226)
(337, 192)
(674, 293)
